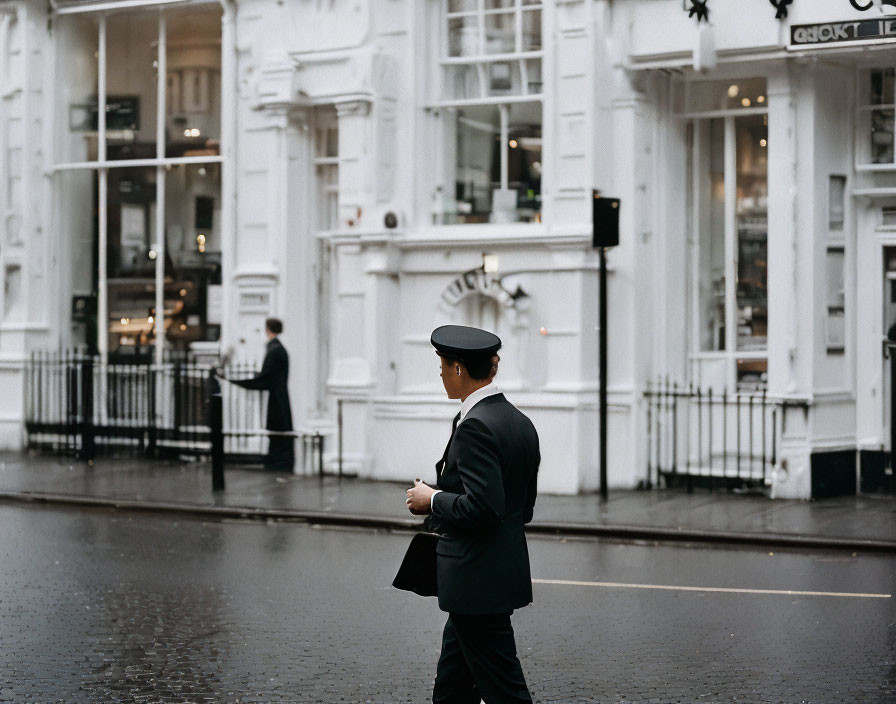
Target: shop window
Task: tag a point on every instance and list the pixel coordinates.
(835, 326)
(738, 95)
(876, 106)
(730, 219)
(153, 269)
(491, 94)
(326, 166)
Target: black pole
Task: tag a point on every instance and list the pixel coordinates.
(216, 428)
(216, 418)
(339, 431)
(602, 324)
(88, 433)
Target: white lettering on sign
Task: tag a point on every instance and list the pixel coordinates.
(841, 31)
(834, 32)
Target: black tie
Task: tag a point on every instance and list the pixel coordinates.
(440, 465)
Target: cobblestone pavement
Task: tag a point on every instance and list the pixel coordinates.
(104, 606)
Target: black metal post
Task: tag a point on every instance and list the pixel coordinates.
(603, 372)
(319, 444)
(339, 430)
(216, 421)
(88, 436)
(216, 427)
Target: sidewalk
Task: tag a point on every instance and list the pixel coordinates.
(848, 523)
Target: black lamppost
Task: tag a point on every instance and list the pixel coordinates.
(605, 224)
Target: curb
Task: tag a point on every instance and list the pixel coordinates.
(618, 532)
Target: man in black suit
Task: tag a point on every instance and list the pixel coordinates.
(486, 493)
(273, 379)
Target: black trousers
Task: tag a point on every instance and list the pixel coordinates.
(281, 454)
(479, 661)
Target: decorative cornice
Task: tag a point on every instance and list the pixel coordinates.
(354, 106)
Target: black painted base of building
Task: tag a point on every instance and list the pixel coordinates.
(876, 476)
(832, 474)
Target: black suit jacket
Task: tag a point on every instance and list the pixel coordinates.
(488, 492)
(272, 378)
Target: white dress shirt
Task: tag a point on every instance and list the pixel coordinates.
(466, 406)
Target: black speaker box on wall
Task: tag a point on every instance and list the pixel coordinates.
(605, 221)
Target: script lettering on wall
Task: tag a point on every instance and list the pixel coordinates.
(478, 281)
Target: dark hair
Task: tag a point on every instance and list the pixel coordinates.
(275, 325)
(479, 368)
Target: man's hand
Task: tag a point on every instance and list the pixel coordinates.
(419, 497)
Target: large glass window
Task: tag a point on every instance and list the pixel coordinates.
(730, 167)
(491, 88)
(326, 166)
(876, 107)
(140, 102)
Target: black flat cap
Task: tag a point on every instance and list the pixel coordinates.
(460, 342)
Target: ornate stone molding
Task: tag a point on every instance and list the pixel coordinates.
(355, 106)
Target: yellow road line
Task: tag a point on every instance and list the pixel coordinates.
(724, 590)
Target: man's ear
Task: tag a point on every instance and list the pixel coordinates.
(457, 369)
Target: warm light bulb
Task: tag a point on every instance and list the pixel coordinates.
(763, 142)
(150, 320)
(513, 144)
(745, 102)
(733, 91)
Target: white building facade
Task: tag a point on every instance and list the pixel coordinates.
(369, 170)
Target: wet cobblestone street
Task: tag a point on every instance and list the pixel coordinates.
(103, 606)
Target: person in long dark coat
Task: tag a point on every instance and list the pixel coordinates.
(487, 483)
(273, 378)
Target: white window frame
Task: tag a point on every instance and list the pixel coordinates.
(481, 60)
(102, 165)
(863, 112)
(700, 121)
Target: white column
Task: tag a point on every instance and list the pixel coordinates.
(229, 111)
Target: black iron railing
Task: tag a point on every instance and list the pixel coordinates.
(711, 437)
(76, 405)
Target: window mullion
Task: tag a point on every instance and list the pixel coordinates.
(731, 253)
(894, 112)
(481, 25)
(695, 204)
(161, 84)
(102, 307)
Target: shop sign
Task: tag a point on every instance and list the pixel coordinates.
(838, 32)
